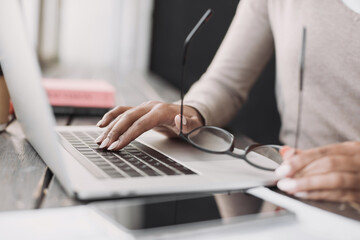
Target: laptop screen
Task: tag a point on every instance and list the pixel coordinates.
(23, 77)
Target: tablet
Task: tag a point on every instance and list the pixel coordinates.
(190, 213)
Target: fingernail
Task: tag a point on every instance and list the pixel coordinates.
(113, 145)
(184, 120)
(303, 195)
(99, 123)
(284, 149)
(283, 171)
(287, 184)
(98, 140)
(104, 143)
(289, 153)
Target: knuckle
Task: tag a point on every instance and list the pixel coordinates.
(356, 147)
(352, 144)
(338, 180)
(117, 108)
(353, 182)
(159, 106)
(140, 123)
(126, 115)
(107, 130)
(323, 151)
(350, 197)
(110, 129)
(126, 138)
(112, 133)
(150, 103)
(331, 162)
(305, 184)
(110, 114)
(295, 162)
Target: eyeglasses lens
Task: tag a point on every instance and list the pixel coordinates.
(265, 157)
(212, 139)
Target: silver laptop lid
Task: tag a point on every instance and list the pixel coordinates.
(23, 78)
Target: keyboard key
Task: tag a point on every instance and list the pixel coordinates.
(126, 168)
(115, 175)
(120, 164)
(102, 164)
(105, 154)
(130, 149)
(106, 167)
(125, 155)
(148, 171)
(136, 163)
(167, 161)
(186, 171)
(96, 159)
(114, 159)
(88, 152)
(133, 173)
(131, 159)
(168, 171)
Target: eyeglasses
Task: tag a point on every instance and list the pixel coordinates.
(301, 86)
(216, 140)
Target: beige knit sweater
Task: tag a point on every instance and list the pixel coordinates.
(331, 95)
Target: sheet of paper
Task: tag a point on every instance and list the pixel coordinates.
(315, 220)
(58, 224)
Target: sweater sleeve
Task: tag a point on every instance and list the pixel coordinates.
(244, 52)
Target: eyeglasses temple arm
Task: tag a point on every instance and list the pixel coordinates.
(205, 18)
(301, 85)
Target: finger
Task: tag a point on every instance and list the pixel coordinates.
(285, 149)
(111, 115)
(192, 119)
(123, 124)
(328, 164)
(329, 181)
(140, 126)
(334, 195)
(189, 123)
(296, 162)
(332, 149)
(103, 136)
(285, 168)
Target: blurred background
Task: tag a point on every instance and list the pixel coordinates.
(138, 44)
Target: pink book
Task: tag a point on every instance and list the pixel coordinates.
(80, 93)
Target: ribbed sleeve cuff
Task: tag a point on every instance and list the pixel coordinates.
(202, 109)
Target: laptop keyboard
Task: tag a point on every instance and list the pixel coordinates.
(135, 160)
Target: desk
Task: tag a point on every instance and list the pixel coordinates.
(27, 183)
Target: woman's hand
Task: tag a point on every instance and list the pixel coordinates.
(124, 124)
(326, 173)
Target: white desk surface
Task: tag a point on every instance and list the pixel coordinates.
(82, 222)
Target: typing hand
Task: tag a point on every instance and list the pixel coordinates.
(326, 173)
(124, 124)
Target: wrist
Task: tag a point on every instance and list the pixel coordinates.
(197, 114)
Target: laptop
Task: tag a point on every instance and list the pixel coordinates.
(153, 164)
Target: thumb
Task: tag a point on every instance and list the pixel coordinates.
(188, 123)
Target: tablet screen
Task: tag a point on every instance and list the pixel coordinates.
(227, 209)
